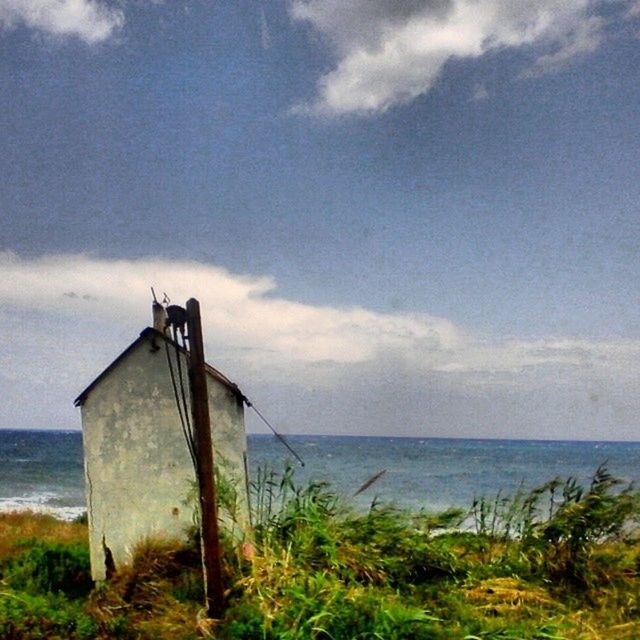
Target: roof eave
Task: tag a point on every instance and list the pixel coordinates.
(150, 332)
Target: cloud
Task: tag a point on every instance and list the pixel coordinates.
(244, 314)
(240, 311)
(265, 33)
(315, 367)
(480, 93)
(634, 9)
(586, 37)
(88, 20)
(389, 53)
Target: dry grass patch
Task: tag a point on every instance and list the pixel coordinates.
(17, 527)
(158, 594)
(508, 595)
(586, 627)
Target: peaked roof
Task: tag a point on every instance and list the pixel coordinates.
(152, 334)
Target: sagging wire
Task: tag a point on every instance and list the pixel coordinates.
(275, 433)
(176, 320)
(183, 393)
(184, 419)
(180, 397)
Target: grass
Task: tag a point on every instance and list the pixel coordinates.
(558, 562)
(18, 527)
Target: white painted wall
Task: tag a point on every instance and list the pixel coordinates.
(139, 475)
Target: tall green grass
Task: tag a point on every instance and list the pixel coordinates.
(558, 561)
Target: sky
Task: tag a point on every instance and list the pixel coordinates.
(415, 218)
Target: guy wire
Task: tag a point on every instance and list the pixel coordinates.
(275, 433)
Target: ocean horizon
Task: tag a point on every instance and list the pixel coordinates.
(287, 436)
(42, 469)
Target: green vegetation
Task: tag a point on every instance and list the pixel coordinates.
(560, 561)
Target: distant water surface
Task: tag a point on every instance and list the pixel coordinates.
(42, 470)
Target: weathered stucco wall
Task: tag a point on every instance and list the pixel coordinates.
(139, 474)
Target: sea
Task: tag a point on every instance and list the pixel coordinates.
(43, 470)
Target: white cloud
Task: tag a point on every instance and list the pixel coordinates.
(389, 53)
(238, 310)
(345, 369)
(586, 37)
(634, 9)
(244, 314)
(480, 93)
(89, 20)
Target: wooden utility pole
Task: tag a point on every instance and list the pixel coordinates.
(211, 557)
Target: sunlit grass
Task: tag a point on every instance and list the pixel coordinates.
(526, 569)
(16, 527)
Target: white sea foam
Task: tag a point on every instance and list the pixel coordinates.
(38, 503)
(421, 473)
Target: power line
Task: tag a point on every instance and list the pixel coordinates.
(176, 319)
(183, 394)
(186, 427)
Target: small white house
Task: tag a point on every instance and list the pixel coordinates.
(140, 478)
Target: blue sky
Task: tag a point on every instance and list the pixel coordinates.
(413, 218)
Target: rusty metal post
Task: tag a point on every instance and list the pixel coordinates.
(211, 556)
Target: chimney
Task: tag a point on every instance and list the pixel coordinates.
(159, 317)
